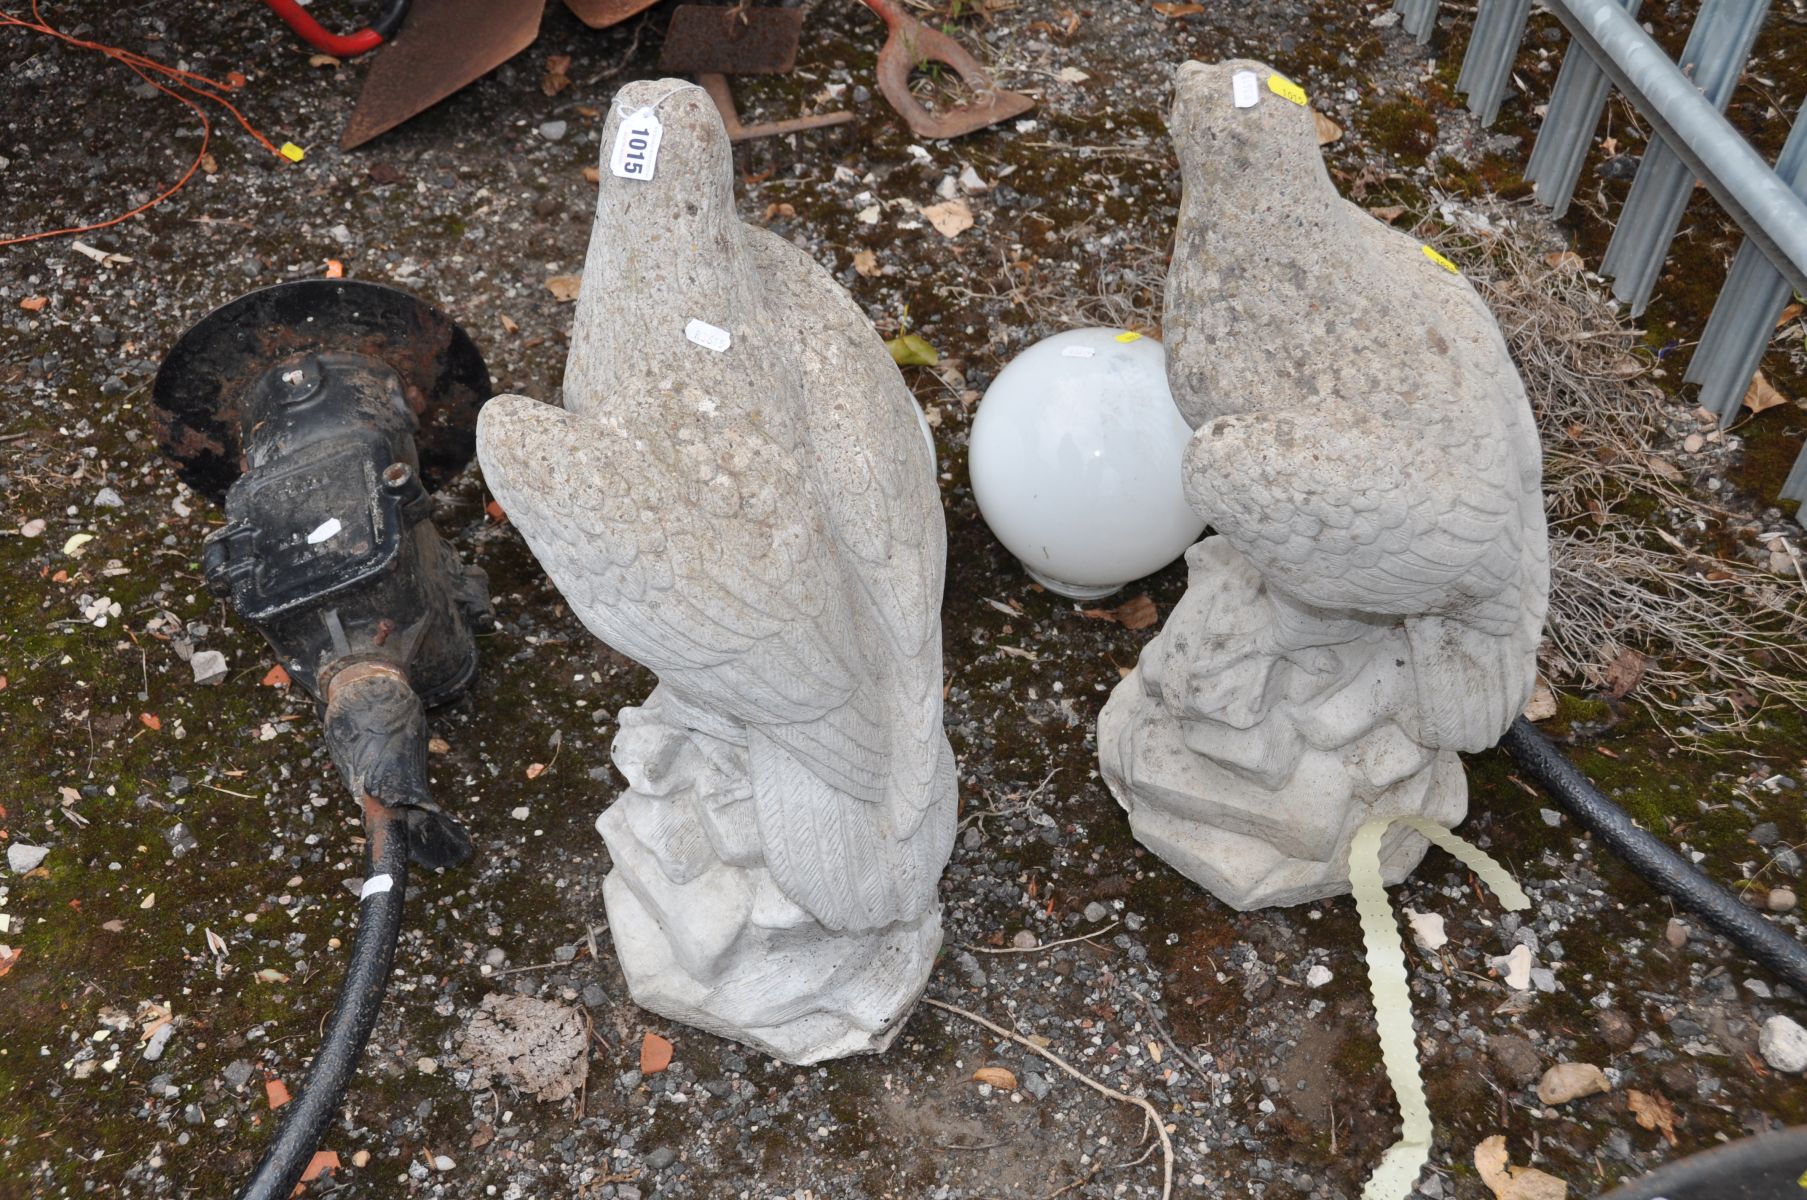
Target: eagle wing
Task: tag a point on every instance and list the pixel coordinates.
(699, 548)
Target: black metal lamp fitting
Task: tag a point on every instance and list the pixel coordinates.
(319, 413)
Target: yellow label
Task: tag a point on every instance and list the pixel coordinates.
(1441, 261)
(292, 152)
(1802, 1181)
(1128, 336)
(1286, 89)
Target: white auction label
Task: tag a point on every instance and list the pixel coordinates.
(376, 885)
(1078, 352)
(1245, 87)
(328, 528)
(709, 337)
(636, 153)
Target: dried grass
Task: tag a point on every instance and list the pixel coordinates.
(1642, 593)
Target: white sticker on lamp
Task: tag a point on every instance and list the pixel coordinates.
(328, 528)
(636, 153)
(1078, 352)
(1245, 89)
(376, 885)
(709, 337)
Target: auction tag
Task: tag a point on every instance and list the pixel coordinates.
(636, 152)
(1128, 336)
(1451, 267)
(1245, 89)
(1078, 352)
(376, 885)
(709, 337)
(1286, 89)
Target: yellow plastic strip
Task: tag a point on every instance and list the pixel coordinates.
(1286, 89)
(1451, 267)
(292, 152)
(1129, 335)
(1398, 1171)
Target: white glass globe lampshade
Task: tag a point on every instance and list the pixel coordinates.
(1075, 462)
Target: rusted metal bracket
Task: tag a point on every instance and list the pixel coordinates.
(912, 44)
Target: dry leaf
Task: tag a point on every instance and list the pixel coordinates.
(9, 956)
(335, 269)
(778, 210)
(322, 60)
(1653, 1111)
(34, 303)
(592, 175)
(1179, 10)
(655, 1054)
(556, 79)
(1508, 1182)
(1132, 614)
(508, 324)
(951, 218)
(865, 262)
(276, 677)
(150, 721)
(323, 1160)
(1609, 146)
(494, 512)
(535, 770)
(1762, 394)
(564, 288)
(997, 1077)
(912, 351)
(148, 901)
(1543, 701)
(114, 926)
(1571, 1081)
(1564, 260)
(1389, 212)
(1789, 314)
(438, 745)
(1624, 672)
(276, 1092)
(210, 164)
(1328, 130)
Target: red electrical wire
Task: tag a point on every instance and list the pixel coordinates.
(317, 36)
(200, 85)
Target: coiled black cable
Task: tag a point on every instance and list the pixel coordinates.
(1660, 866)
(354, 1014)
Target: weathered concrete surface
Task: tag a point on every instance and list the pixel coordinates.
(1364, 450)
(758, 523)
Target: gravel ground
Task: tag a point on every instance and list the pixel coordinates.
(200, 853)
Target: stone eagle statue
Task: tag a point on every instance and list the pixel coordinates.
(738, 495)
(1374, 596)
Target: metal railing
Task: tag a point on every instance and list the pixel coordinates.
(1685, 105)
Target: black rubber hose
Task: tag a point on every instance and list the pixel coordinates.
(1660, 866)
(360, 997)
(1764, 1167)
